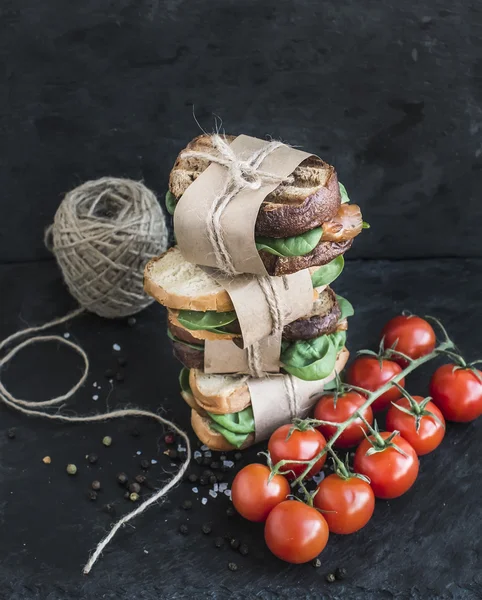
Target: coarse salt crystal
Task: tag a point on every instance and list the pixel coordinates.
(319, 477)
(138, 453)
(216, 487)
(227, 493)
(204, 500)
(173, 465)
(195, 490)
(223, 486)
(197, 454)
(153, 461)
(208, 454)
(116, 347)
(228, 463)
(213, 494)
(66, 336)
(95, 397)
(95, 384)
(180, 448)
(204, 447)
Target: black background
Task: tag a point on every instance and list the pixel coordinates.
(390, 93)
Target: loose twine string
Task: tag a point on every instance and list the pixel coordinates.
(26, 407)
(242, 174)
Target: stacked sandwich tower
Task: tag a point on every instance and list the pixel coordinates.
(261, 230)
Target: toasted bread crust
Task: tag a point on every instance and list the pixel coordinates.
(237, 400)
(213, 439)
(199, 334)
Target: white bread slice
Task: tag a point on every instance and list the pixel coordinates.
(191, 402)
(181, 285)
(223, 394)
(213, 439)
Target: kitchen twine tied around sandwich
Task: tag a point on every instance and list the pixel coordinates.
(243, 173)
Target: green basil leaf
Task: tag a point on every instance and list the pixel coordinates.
(184, 380)
(171, 202)
(297, 245)
(339, 339)
(329, 272)
(209, 320)
(311, 360)
(176, 339)
(344, 194)
(346, 307)
(236, 427)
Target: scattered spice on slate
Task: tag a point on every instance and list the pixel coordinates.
(109, 509)
(203, 480)
(230, 511)
(119, 376)
(207, 473)
(215, 465)
(107, 440)
(134, 497)
(141, 479)
(95, 485)
(219, 542)
(238, 456)
(244, 550)
(109, 374)
(135, 488)
(330, 577)
(234, 543)
(223, 457)
(340, 573)
(135, 432)
(46, 460)
(71, 469)
(122, 361)
(220, 477)
(192, 477)
(186, 505)
(228, 536)
(232, 566)
(316, 563)
(11, 433)
(131, 321)
(213, 480)
(92, 458)
(127, 495)
(92, 495)
(206, 529)
(145, 464)
(183, 529)
(169, 438)
(198, 459)
(122, 478)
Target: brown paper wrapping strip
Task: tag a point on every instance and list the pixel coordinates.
(223, 356)
(239, 217)
(270, 399)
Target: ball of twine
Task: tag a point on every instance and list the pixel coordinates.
(104, 232)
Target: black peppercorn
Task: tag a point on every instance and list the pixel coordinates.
(206, 461)
(215, 465)
(181, 455)
(95, 485)
(230, 512)
(141, 479)
(220, 477)
(238, 456)
(228, 536)
(122, 361)
(122, 478)
(131, 321)
(330, 577)
(183, 529)
(223, 457)
(11, 433)
(120, 376)
(206, 529)
(207, 473)
(232, 566)
(199, 460)
(186, 505)
(134, 488)
(316, 563)
(234, 543)
(109, 374)
(244, 550)
(92, 458)
(219, 542)
(172, 453)
(213, 479)
(92, 495)
(340, 573)
(145, 464)
(109, 509)
(127, 495)
(192, 477)
(203, 480)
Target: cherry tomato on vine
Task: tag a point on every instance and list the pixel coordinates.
(300, 445)
(413, 336)
(253, 496)
(349, 503)
(370, 373)
(431, 431)
(295, 532)
(457, 392)
(391, 473)
(346, 406)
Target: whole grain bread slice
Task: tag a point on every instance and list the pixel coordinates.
(308, 200)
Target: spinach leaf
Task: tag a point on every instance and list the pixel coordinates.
(234, 427)
(365, 225)
(346, 307)
(171, 202)
(329, 272)
(209, 320)
(184, 380)
(176, 339)
(297, 245)
(311, 360)
(344, 194)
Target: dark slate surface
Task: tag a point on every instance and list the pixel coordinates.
(425, 545)
(389, 92)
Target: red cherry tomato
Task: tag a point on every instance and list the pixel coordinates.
(253, 496)
(391, 473)
(301, 445)
(346, 405)
(295, 532)
(458, 393)
(414, 337)
(430, 433)
(349, 503)
(367, 373)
